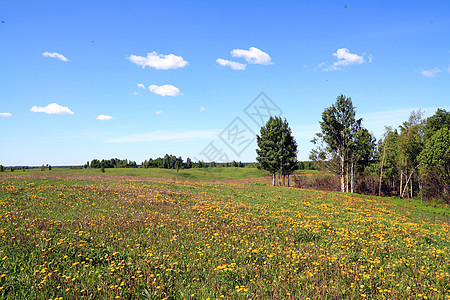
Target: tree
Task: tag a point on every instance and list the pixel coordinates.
(362, 152)
(439, 120)
(2, 168)
(277, 148)
(337, 139)
(409, 144)
(435, 158)
(289, 152)
(95, 164)
(42, 168)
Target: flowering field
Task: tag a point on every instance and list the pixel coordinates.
(94, 238)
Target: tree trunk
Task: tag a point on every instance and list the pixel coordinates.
(351, 183)
(420, 188)
(281, 174)
(273, 178)
(288, 180)
(381, 171)
(401, 184)
(346, 177)
(411, 187)
(406, 183)
(342, 174)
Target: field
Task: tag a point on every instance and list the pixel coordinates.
(206, 174)
(84, 236)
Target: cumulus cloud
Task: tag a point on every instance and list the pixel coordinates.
(158, 112)
(55, 55)
(253, 56)
(202, 108)
(431, 73)
(159, 61)
(5, 115)
(232, 64)
(141, 86)
(104, 117)
(165, 90)
(53, 108)
(345, 58)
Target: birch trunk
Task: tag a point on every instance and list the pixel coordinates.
(346, 178)
(342, 174)
(351, 183)
(411, 187)
(401, 184)
(381, 172)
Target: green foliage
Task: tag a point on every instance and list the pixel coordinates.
(42, 168)
(437, 151)
(2, 168)
(435, 159)
(339, 124)
(277, 148)
(343, 143)
(439, 120)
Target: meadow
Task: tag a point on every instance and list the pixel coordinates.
(229, 173)
(84, 236)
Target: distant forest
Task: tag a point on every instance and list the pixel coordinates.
(173, 162)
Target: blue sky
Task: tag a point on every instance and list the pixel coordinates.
(138, 79)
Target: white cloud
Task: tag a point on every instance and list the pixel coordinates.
(232, 64)
(431, 73)
(253, 56)
(104, 117)
(5, 115)
(159, 61)
(53, 108)
(345, 58)
(165, 90)
(202, 108)
(158, 112)
(169, 135)
(135, 93)
(141, 86)
(55, 55)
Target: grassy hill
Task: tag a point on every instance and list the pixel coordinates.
(107, 238)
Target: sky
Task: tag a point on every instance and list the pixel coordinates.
(138, 79)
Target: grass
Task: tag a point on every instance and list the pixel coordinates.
(72, 237)
(209, 174)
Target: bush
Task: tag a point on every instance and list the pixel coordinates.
(323, 182)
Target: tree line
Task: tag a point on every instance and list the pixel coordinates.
(174, 162)
(412, 160)
(110, 163)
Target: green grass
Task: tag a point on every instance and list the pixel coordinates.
(80, 237)
(209, 174)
